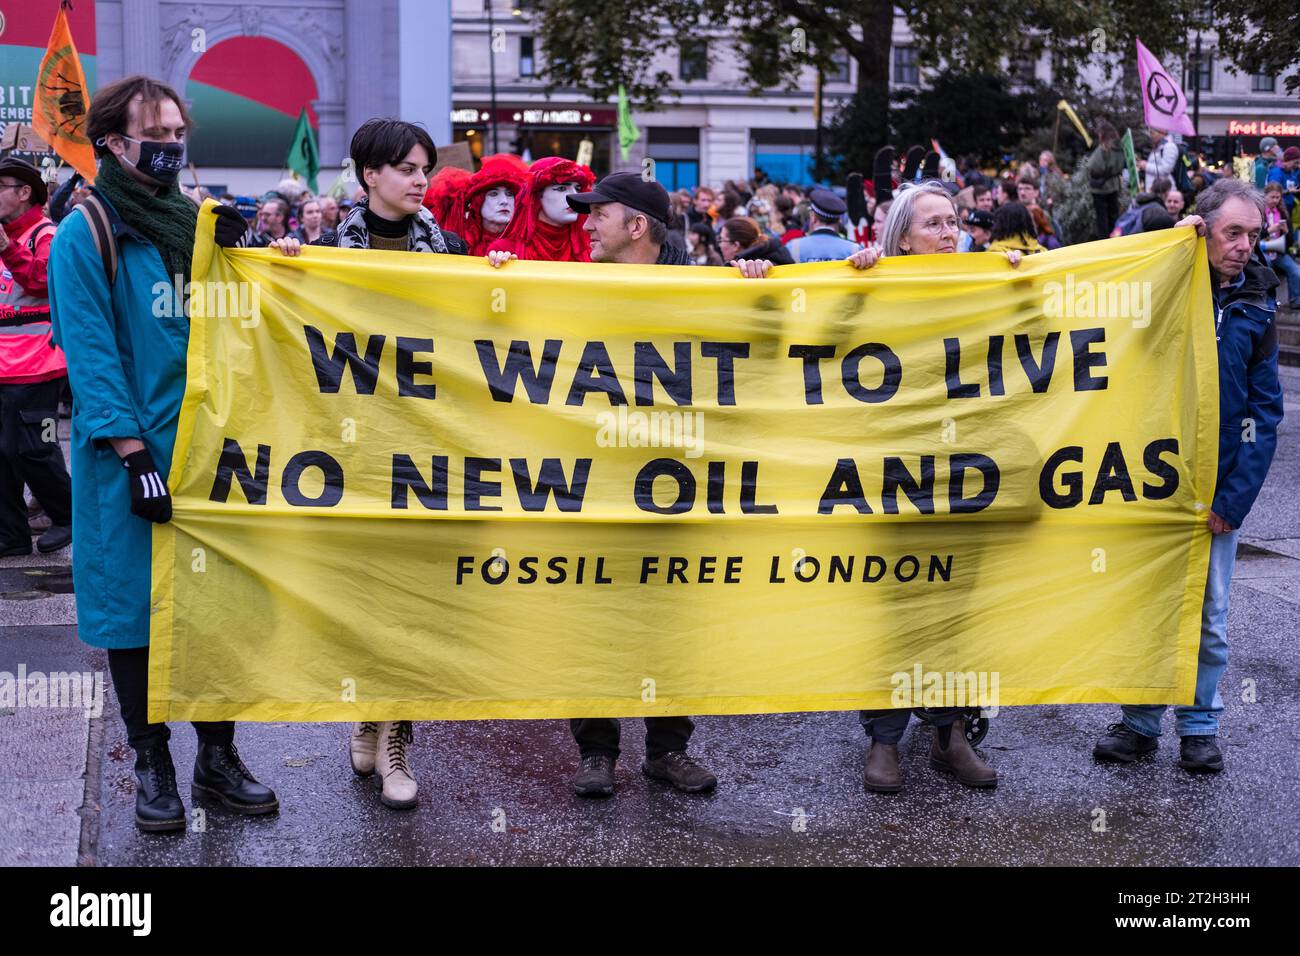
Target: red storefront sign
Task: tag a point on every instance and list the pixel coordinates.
(1263, 128)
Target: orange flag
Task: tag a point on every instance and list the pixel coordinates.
(59, 116)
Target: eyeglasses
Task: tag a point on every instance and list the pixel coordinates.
(12, 185)
(936, 226)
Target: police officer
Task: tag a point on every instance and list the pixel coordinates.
(823, 242)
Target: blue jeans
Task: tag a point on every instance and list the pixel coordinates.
(1286, 266)
(1202, 717)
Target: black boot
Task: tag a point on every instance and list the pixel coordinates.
(158, 806)
(220, 773)
(1122, 745)
(54, 539)
(1200, 754)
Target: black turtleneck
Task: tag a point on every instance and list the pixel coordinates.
(388, 228)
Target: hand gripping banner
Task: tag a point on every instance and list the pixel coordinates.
(416, 487)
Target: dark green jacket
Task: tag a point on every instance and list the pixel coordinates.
(1104, 169)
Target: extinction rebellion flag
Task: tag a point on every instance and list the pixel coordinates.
(62, 100)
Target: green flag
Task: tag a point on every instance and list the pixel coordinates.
(1131, 160)
(304, 158)
(627, 131)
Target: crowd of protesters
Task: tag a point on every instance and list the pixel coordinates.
(90, 288)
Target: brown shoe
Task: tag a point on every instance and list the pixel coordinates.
(681, 771)
(595, 776)
(882, 774)
(959, 759)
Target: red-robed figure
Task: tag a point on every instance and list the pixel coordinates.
(545, 227)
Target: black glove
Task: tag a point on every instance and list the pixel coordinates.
(150, 498)
(231, 226)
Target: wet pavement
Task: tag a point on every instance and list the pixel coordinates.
(790, 792)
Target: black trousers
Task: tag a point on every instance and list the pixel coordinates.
(599, 735)
(29, 414)
(1107, 210)
(887, 726)
(130, 670)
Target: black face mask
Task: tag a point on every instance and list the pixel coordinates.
(159, 161)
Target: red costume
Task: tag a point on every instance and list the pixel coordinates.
(445, 198)
(502, 169)
(528, 236)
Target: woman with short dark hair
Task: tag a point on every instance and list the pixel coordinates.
(393, 160)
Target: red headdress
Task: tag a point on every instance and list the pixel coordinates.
(528, 236)
(445, 197)
(502, 169)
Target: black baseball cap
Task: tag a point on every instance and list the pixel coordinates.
(631, 190)
(980, 219)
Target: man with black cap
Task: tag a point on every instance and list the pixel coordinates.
(823, 242)
(32, 369)
(627, 220)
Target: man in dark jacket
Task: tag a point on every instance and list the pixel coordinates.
(627, 219)
(1250, 409)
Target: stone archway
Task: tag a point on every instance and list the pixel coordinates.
(314, 34)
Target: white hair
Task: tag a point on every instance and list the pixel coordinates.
(899, 220)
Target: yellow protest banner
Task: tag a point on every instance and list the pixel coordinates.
(413, 486)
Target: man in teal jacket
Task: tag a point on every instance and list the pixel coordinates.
(125, 343)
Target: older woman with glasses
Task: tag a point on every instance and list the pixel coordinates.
(922, 220)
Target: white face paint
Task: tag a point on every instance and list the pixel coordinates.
(555, 208)
(498, 207)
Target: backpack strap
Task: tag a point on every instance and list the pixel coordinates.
(39, 231)
(101, 231)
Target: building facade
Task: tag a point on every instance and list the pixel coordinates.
(715, 129)
(247, 67)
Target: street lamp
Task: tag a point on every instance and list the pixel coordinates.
(1196, 91)
(492, 70)
(1200, 18)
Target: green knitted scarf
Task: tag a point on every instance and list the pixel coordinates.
(166, 219)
